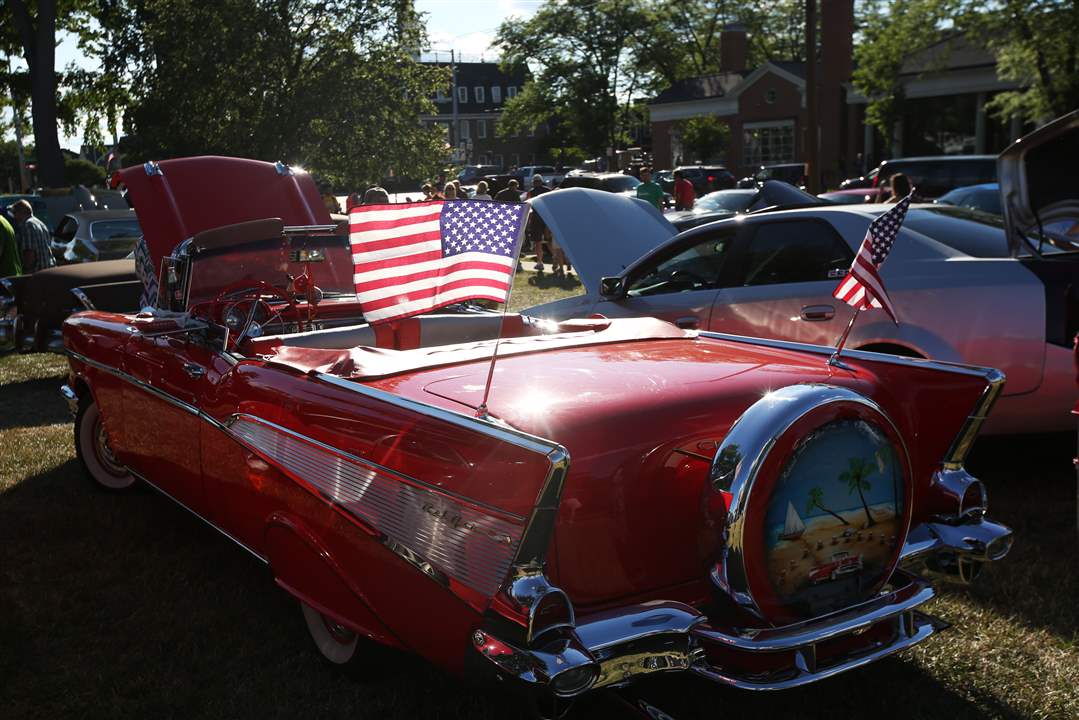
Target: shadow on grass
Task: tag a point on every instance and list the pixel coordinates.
(550, 280)
(136, 608)
(39, 403)
(1032, 488)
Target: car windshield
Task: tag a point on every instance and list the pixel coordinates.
(621, 183)
(106, 229)
(327, 258)
(725, 200)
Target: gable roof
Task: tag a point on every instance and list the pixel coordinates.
(699, 88)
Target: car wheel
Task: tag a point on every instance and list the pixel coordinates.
(92, 449)
(334, 641)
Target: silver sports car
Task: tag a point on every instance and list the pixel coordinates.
(1000, 293)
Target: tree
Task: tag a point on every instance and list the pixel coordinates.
(35, 24)
(332, 85)
(890, 31)
(1036, 43)
(84, 172)
(816, 500)
(581, 49)
(858, 469)
(706, 137)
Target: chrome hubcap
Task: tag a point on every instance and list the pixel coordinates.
(339, 632)
(104, 452)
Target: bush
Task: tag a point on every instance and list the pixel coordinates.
(83, 172)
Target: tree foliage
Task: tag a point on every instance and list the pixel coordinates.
(585, 72)
(705, 137)
(332, 85)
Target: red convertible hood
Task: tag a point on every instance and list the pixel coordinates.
(175, 199)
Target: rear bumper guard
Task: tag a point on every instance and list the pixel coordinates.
(625, 644)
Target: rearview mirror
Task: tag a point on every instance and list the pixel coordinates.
(611, 287)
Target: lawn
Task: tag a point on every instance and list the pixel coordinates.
(127, 606)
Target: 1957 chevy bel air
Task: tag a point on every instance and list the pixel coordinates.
(637, 498)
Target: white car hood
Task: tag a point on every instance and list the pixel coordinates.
(1039, 185)
(602, 233)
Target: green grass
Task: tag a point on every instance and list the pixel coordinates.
(125, 606)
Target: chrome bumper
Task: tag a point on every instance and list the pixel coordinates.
(623, 645)
(955, 551)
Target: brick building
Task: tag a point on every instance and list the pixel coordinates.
(471, 123)
(945, 86)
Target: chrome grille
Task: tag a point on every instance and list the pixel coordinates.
(470, 546)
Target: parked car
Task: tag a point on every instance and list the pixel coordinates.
(727, 203)
(606, 515)
(547, 172)
(984, 197)
(33, 306)
(960, 293)
(41, 210)
(932, 176)
(852, 196)
(665, 178)
(88, 235)
(471, 174)
(707, 178)
(792, 173)
(841, 563)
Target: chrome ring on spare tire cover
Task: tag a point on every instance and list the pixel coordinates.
(817, 499)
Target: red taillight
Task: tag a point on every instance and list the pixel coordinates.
(711, 178)
(876, 179)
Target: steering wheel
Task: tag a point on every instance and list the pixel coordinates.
(251, 310)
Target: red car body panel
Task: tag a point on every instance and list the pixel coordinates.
(176, 199)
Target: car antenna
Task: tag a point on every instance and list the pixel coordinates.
(481, 411)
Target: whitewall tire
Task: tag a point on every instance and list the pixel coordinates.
(92, 448)
(335, 642)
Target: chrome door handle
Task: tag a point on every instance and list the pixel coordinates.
(193, 370)
(689, 322)
(818, 312)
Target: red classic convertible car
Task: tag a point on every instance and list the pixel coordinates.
(634, 498)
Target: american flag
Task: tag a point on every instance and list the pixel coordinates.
(413, 258)
(862, 288)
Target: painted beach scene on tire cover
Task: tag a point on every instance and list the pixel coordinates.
(833, 521)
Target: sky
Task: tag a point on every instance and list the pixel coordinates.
(466, 26)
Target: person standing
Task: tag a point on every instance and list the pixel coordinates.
(33, 238)
(510, 193)
(538, 188)
(650, 191)
(684, 195)
(10, 262)
(449, 192)
(481, 191)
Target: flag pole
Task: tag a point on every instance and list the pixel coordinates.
(834, 360)
(481, 411)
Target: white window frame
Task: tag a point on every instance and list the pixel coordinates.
(464, 129)
(777, 146)
(462, 94)
(478, 93)
(496, 94)
(511, 92)
(481, 130)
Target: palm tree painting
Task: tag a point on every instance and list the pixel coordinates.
(816, 500)
(858, 469)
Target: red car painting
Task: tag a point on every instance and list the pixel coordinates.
(842, 563)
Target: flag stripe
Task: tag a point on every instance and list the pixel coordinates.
(394, 212)
(426, 293)
(389, 266)
(420, 271)
(863, 287)
(397, 237)
(407, 286)
(409, 308)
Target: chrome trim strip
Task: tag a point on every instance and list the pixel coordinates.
(200, 517)
(235, 417)
(82, 298)
(941, 365)
(303, 229)
(957, 453)
(424, 526)
(170, 399)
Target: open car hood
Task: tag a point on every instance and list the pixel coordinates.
(1039, 187)
(176, 199)
(602, 233)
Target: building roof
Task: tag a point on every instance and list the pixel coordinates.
(699, 88)
(954, 52)
(793, 67)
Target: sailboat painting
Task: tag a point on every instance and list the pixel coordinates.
(833, 519)
(793, 527)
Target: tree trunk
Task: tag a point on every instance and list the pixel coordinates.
(39, 49)
(870, 522)
(832, 513)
